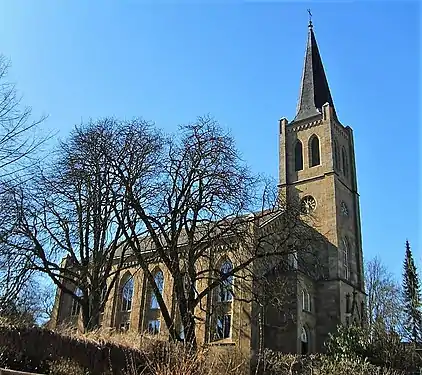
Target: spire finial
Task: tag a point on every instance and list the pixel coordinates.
(310, 18)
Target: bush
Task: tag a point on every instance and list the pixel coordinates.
(17, 360)
(66, 366)
(385, 349)
(109, 353)
(282, 364)
(349, 343)
(36, 350)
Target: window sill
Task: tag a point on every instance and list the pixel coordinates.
(223, 342)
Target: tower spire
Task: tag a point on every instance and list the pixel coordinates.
(314, 90)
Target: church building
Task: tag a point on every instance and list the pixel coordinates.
(316, 167)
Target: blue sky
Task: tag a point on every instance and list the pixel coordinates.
(241, 62)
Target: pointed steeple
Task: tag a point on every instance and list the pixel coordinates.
(314, 90)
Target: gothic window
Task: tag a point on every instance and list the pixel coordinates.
(345, 251)
(223, 326)
(306, 300)
(159, 281)
(314, 153)
(226, 286)
(127, 293)
(222, 315)
(152, 312)
(348, 310)
(75, 308)
(304, 340)
(298, 156)
(336, 156)
(345, 162)
(154, 327)
(190, 291)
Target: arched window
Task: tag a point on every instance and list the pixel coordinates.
(306, 300)
(127, 294)
(75, 308)
(224, 302)
(345, 250)
(336, 156)
(298, 156)
(345, 162)
(159, 281)
(314, 151)
(304, 340)
(154, 327)
(224, 326)
(226, 286)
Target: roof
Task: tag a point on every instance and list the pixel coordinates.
(314, 90)
(206, 231)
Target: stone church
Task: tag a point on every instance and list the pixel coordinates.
(316, 166)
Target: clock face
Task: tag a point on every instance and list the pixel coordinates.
(344, 209)
(308, 204)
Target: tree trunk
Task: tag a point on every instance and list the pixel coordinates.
(189, 326)
(91, 315)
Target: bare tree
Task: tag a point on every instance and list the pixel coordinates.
(183, 201)
(32, 306)
(384, 310)
(70, 212)
(19, 143)
(18, 133)
(201, 202)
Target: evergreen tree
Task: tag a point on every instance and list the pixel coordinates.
(412, 298)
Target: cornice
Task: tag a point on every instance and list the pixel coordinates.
(303, 126)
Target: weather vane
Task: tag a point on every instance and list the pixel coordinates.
(310, 17)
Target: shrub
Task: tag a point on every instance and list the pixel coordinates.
(385, 349)
(17, 360)
(349, 343)
(108, 353)
(282, 364)
(35, 349)
(66, 366)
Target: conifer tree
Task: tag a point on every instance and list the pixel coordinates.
(412, 298)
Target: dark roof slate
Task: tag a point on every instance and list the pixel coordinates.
(314, 90)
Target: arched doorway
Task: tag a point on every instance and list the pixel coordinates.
(304, 341)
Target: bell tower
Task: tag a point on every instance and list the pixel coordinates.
(317, 166)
